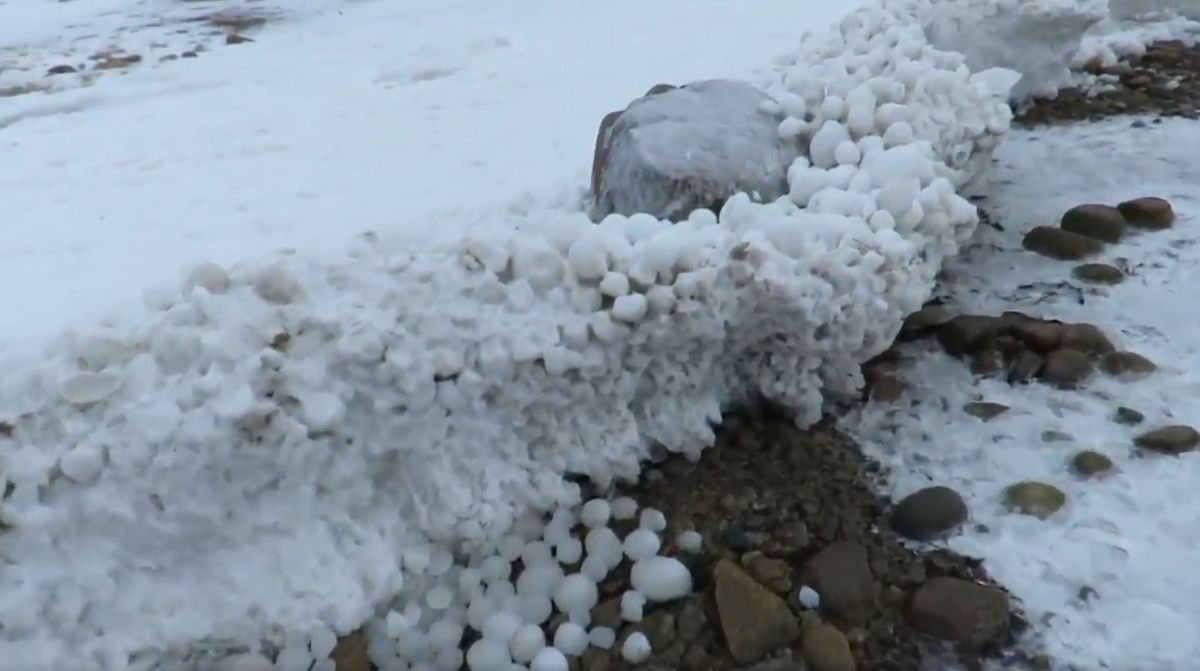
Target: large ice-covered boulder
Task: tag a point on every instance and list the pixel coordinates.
(679, 149)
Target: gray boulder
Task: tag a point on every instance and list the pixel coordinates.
(679, 149)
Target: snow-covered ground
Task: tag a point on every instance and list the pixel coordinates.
(1132, 537)
(396, 117)
(415, 119)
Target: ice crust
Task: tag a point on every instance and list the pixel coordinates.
(301, 439)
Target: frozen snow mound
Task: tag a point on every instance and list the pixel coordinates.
(265, 449)
(685, 148)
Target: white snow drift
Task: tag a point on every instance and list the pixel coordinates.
(338, 426)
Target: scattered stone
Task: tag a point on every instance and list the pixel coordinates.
(1098, 273)
(1102, 222)
(648, 155)
(925, 320)
(1038, 499)
(929, 513)
(1066, 368)
(659, 628)
(63, 69)
(691, 621)
(234, 38)
(1129, 365)
(168, 57)
(1172, 439)
(755, 621)
(774, 573)
(1086, 338)
(188, 54)
(1128, 416)
(961, 611)
(1024, 367)
(963, 334)
(595, 659)
(886, 388)
(1149, 213)
(826, 649)
(1061, 245)
(1089, 464)
(841, 574)
(116, 61)
(784, 662)
(1052, 436)
(987, 361)
(350, 653)
(1040, 335)
(985, 410)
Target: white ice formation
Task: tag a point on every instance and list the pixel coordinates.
(282, 452)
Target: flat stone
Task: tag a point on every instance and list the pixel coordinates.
(1127, 365)
(1087, 338)
(1172, 439)
(929, 513)
(841, 574)
(923, 321)
(1149, 212)
(825, 648)
(1098, 273)
(775, 574)
(1128, 416)
(972, 615)
(1062, 245)
(1025, 366)
(1089, 464)
(1038, 499)
(755, 620)
(1102, 222)
(1067, 368)
(886, 387)
(985, 410)
(1039, 335)
(350, 653)
(963, 334)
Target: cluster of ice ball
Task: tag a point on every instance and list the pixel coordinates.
(295, 432)
(496, 610)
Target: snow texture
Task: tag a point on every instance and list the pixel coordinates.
(694, 146)
(1130, 537)
(280, 445)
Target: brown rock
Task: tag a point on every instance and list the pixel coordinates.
(1024, 367)
(234, 38)
(1102, 222)
(1086, 338)
(1098, 273)
(755, 621)
(972, 615)
(1038, 499)
(659, 88)
(115, 61)
(1128, 416)
(826, 649)
(1039, 335)
(691, 621)
(350, 653)
(1128, 365)
(63, 69)
(886, 388)
(696, 658)
(1149, 212)
(595, 659)
(1172, 439)
(659, 628)
(188, 54)
(841, 574)
(987, 361)
(929, 513)
(985, 410)
(963, 334)
(1059, 244)
(923, 321)
(1066, 368)
(600, 151)
(774, 573)
(1052, 436)
(1089, 464)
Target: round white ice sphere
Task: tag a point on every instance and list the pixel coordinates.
(82, 463)
(488, 654)
(624, 508)
(809, 598)
(847, 153)
(641, 543)
(661, 578)
(247, 661)
(569, 551)
(653, 519)
(549, 659)
(602, 637)
(501, 626)
(689, 541)
(632, 604)
(636, 648)
(595, 513)
(527, 643)
(571, 639)
(576, 592)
